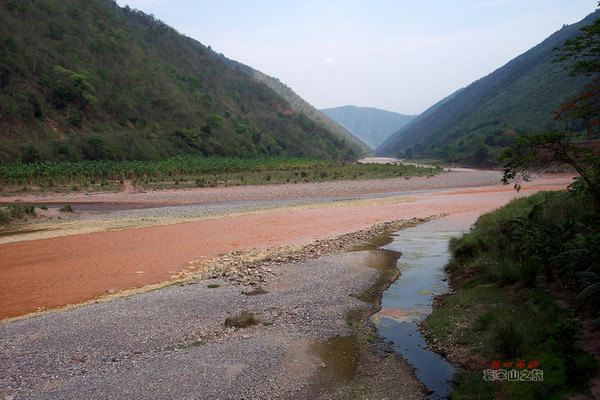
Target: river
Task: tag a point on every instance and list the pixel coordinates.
(408, 301)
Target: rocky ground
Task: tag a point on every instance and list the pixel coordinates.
(251, 268)
(282, 324)
(131, 208)
(459, 178)
(81, 260)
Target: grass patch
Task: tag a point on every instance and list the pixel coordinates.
(66, 208)
(243, 320)
(500, 309)
(12, 212)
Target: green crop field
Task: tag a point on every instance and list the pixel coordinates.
(193, 171)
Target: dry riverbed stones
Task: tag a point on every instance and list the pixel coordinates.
(252, 268)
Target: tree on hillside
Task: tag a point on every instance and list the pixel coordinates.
(577, 143)
(583, 50)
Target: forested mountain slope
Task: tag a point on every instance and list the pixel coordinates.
(297, 103)
(473, 124)
(372, 125)
(86, 79)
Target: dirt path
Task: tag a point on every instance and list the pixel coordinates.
(64, 270)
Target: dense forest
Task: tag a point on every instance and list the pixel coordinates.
(87, 79)
(474, 124)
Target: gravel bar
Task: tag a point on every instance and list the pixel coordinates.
(173, 343)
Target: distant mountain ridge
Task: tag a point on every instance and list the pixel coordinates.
(92, 80)
(372, 125)
(298, 104)
(473, 124)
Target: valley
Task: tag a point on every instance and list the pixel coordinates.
(176, 222)
(269, 240)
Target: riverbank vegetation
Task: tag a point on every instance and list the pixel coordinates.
(189, 171)
(518, 263)
(505, 274)
(14, 212)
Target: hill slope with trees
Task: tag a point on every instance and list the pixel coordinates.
(87, 79)
(372, 125)
(297, 103)
(474, 124)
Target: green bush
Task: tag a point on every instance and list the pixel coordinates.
(15, 211)
(547, 234)
(75, 118)
(19, 210)
(31, 153)
(4, 217)
(66, 208)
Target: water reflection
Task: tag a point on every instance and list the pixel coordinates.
(409, 300)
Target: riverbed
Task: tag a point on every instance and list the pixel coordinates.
(408, 301)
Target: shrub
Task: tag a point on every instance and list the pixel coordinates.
(464, 248)
(15, 211)
(4, 218)
(243, 320)
(20, 210)
(31, 153)
(4, 75)
(75, 118)
(96, 148)
(66, 208)
(528, 272)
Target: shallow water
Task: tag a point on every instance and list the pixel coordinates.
(408, 301)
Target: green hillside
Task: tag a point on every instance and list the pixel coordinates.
(297, 103)
(372, 125)
(475, 123)
(86, 79)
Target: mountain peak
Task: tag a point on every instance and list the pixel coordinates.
(371, 125)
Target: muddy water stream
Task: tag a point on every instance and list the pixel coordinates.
(408, 301)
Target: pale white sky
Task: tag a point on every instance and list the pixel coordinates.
(399, 55)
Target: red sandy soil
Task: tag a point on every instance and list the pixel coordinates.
(52, 272)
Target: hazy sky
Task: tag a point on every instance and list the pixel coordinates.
(399, 55)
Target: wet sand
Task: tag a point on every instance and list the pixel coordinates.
(53, 272)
